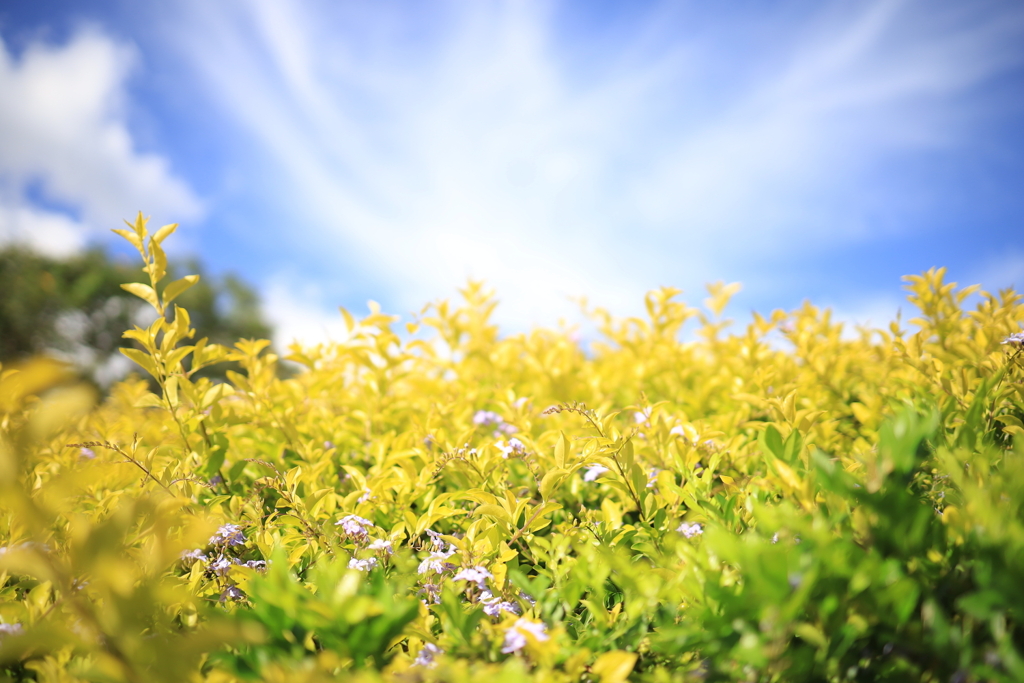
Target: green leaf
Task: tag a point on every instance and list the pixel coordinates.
(562, 451)
(771, 442)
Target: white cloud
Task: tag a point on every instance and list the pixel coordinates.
(469, 141)
(294, 311)
(47, 232)
(64, 132)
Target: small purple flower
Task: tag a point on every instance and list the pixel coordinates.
(258, 565)
(690, 530)
(367, 495)
(232, 593)
(594, 471)
(427, 654)
(487, 418)
(432, 593)
(494, 605)
(506, 429)
(87, 453)
(515, 636)
(642, 417)
(228, 534)
(328, 445)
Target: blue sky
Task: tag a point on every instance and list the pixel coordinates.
(333, 152)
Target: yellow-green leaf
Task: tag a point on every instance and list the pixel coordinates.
(144, 292)
(176, 288)
(614, 666)
(164, 232)
(143, 359)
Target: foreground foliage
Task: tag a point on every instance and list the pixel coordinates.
(786, 502)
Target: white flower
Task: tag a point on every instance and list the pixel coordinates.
(515, 636)
(362, 565)
(775, 537)
(475, 574)
(690, 530)
(1015, 339)
(367, 495)
(354, 526)
(228, 534)
(594, 471)
(678, 431)
(382, 545)
(258, 565)
(427, 654)
(436, 563)
(87, 453)
(514, 447)
(221, 566)
(643, 416)
(493, 605)
(196, 554)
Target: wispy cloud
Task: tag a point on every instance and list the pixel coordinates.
(69, 167)
(475, 141)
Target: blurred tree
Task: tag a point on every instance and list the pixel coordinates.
(75, 309)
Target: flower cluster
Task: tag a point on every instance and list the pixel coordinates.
(494, 605)
(690, 530)
(228, 535)
(426, 656)
(1015, 339)
(489, 418)
(355, 527)
(437, 562)
(477, 575)
(517, 635)
(514, 447)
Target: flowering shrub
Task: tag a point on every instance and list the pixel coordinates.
(784, 501)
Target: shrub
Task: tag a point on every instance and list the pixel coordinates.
(788, 502)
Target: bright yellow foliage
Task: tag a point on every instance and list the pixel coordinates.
(629, 489)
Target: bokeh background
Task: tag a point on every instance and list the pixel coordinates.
(329, 152)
